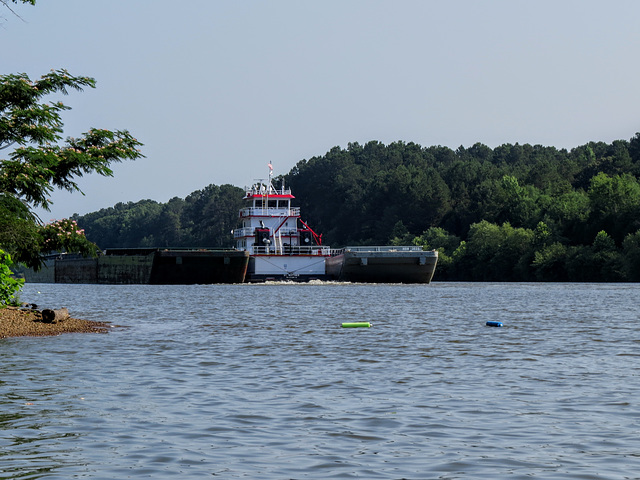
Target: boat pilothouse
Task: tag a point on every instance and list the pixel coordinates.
(280, 244)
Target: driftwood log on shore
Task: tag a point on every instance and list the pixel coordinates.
(54, 316)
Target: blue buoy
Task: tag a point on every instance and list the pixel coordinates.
(494, 324)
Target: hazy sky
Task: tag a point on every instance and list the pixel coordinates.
(218, 89)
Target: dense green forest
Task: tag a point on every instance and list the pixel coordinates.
(512, 213)
(204, 218)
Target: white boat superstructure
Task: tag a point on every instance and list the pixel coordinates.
(279, 243)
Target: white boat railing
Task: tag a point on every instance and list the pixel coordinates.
(243, 232)
(289, 250)
(262, 189)
(385, 248)
(269, 212)
(250, 232)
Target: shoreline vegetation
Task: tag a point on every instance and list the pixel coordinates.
(21, 322)
(510, 213)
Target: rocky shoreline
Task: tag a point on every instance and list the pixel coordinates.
(21, 322)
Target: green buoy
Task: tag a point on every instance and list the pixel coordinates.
(356, 325)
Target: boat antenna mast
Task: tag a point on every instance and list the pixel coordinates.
(270, 186)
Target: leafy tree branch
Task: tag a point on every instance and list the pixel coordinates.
(38, 160)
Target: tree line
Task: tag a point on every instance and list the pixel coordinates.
(510, 213)
(204, 218)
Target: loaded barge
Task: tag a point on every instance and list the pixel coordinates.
(153, 266)
(272, 243)
(384, 264)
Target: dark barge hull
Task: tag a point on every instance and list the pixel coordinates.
(201, 267)
(146, 266)
(383, 266)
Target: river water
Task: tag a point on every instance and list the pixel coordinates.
(261, 382)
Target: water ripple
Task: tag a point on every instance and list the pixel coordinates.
(260, 381)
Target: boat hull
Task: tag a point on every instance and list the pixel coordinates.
(146, 266)
(199, 267)
(383, 266)
(300, 268)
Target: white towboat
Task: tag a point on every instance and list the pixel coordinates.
(280, 245)
(283, 247)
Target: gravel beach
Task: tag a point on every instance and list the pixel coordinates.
(16, 322)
